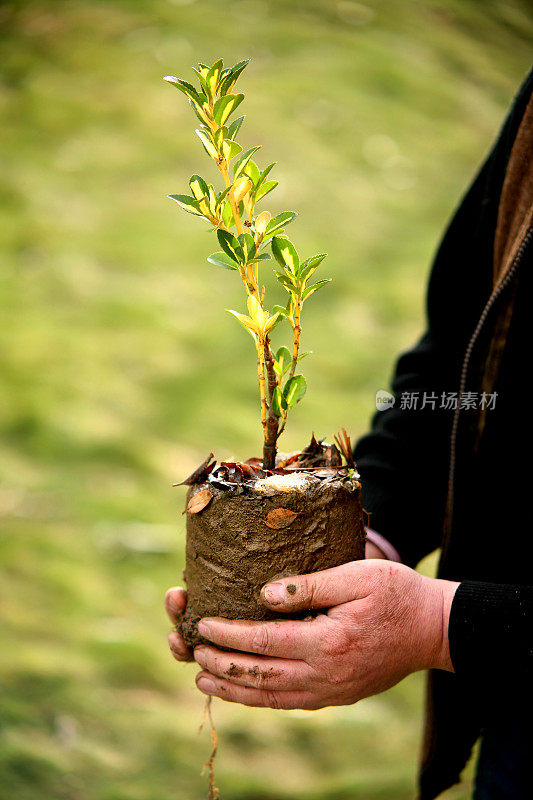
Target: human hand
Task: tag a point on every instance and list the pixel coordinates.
(175, 602)
(384, 622)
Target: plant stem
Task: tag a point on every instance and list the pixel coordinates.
(271, 374)
(223, 167)
(297, 331)
(271, 431)
(262, 385)
(250, 277)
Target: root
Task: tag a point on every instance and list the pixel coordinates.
(210, 763)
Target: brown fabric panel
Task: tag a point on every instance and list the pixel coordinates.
(515, 218)
(515, 213)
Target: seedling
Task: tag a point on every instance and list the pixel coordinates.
(245, 235)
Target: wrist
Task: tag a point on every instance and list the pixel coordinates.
(442, 659)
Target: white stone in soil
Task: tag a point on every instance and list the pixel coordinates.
(295, 481)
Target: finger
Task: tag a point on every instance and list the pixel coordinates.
(175, 602)
(329, 587)
(282, 639)
(261, 672)
(373, 551)
(178, 648)
(265, 698)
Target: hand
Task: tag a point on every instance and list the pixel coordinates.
(384, 622)
(176, 600)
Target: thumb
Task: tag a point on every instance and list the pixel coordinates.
(329, 587)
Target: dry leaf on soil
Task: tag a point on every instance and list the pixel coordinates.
(280, 518)
(199, 502)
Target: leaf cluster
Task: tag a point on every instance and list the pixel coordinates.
(249, 238)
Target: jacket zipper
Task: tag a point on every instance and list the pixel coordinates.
(511, 272)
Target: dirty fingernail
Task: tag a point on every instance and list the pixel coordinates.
(175, 607)
(274, 593)
(199, 656)
(176, 645)
(203, 630)
(205, 685)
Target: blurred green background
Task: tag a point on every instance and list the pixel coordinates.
(120, 370)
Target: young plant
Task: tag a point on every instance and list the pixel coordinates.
(244, 236)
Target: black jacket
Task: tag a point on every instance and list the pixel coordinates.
(462, 479)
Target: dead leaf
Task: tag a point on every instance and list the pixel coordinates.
(199, 502)
(281, 518)
(289, 460)
(345, 446)
(201, 472)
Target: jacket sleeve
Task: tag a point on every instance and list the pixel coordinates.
(490, 632)
(404, 459)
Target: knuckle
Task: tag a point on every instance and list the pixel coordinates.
(336, 644)
(310, 591)
(261, 639)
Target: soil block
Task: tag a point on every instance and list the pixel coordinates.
(248, 535)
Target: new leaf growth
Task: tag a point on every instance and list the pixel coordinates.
(244, 236)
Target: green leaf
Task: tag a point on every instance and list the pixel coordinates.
(279, 310)
(283, 359)
(225, 105)
(294, 390)
(285, 281)
(231, 245)
(247, 243)
(252, 171)
(265, 172)
(243, 160)
(223, 194)
(264, 189)
(235, 127)
(230, 149)
(279, 404)
(308, 266)
(227, 215)
(218, 137)
(201, 73)
(274, 321)
(285, 253)
(223, 260)
(224, 74)
(198, 186)
(261, 257)
(314, 287)
(280, 221)
(213, 76)
(187, 203)
(207, 143)
(228, 82)
(187, 88)
(212, 200)
(245, 321)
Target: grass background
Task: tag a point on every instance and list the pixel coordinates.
(120, 371)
